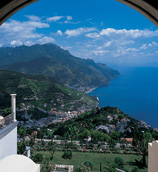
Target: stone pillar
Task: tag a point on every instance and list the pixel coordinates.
(13, 105)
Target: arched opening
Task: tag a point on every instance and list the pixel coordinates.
(93, 133)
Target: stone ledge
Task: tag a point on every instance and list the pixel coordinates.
(8, 129)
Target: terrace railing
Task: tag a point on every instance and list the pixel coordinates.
(9, 119)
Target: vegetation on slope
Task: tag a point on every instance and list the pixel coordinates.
(40, 91)
(85, 124)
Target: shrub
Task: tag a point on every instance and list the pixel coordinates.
(67, 154)
(38, 158)
(136, 169)
(88, 164)
(119, 162)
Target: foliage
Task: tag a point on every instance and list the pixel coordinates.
(21, 148)
(37, 91)
(95, 158)
(136, 169)
(7, 111)
(22, 131)
(85, 125)
(67, 154)
(115, 135)
(37, 158)
(119, 162)
(85, 167)
(88, 164)
(110, 167)
(142, 146)
(47, 166)
(52, 149)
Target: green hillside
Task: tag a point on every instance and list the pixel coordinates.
(40, 91)
(53, 61)
(94, 122)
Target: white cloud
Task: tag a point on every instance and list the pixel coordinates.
(93, 35)
(54, 18)
(100, 52)
(79, 31)
(32, 17)
(16, 43)
(29, 43)
(111, 32)
(1, 45)
(131, 50)
(145, 46)
(45, 40)
(59, 32)
(154, 43)
(105, 45)
(69, 17)
(16, 32)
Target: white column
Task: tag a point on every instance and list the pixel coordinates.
(13, 104)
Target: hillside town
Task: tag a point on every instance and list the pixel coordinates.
(53, 118)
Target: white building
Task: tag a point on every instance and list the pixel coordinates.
(153, 156)
(8, 132)
(9, 160)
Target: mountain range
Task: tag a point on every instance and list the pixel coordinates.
(52, 61)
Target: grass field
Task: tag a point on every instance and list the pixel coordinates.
(95, 158)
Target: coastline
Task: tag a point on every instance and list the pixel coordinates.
(90, 90)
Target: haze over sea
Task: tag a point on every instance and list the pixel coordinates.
(135, 92)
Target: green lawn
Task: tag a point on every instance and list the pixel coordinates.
(95, 158)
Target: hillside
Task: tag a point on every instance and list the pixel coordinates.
(39, 91)
(109, 120)
(53, 61)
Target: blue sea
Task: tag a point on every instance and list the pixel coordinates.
(135, 92)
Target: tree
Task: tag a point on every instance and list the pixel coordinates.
(115, 135)
(67, 154)
(110, 167)
(22, 131)
(99, 136)
(88, 164)
(85, 167)
(38, 158)
(52, 148)
(119, 162)
(100, 167)
(21, 148)
(7, 111)
(136, 169)
(142, 146)
(46, 165)
(32, 141)
(85, 133)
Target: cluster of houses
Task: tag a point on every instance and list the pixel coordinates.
(121, 126)
(53, 118)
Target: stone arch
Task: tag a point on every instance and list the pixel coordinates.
(148, 8)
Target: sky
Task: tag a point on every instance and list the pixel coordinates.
(103, 30)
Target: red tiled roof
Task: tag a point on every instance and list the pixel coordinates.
(127, 139)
